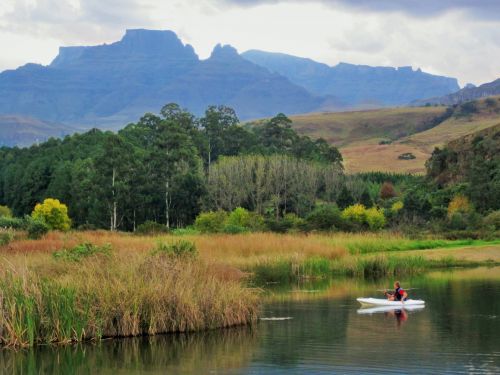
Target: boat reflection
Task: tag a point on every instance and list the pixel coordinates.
(400, 314)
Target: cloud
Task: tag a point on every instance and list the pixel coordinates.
(487, 9)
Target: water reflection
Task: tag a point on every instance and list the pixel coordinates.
(456, 332)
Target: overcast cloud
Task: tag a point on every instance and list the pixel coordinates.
(457, 38)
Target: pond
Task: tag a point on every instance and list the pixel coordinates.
(314, 328)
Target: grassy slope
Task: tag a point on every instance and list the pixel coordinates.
(358, 134)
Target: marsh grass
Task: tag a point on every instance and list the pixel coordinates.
(131, 293)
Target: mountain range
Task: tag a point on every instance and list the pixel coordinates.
(110, 85)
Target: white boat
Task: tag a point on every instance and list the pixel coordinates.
(383, 309)
(385, 302)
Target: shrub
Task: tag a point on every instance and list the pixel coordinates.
(459, 205)
(36, 228)
(180, 248)
(256, 222)
(81, 251)
(12, 222)
(6, 236)
(375, 218)
(86, 227)
(5, 211)
(53, 213)
(151, 227)
(324, 217)
(355, 214)
(387, 190)
(397, 206)
(211, 222)
(457, 221)
(238, 217)
(492, 221)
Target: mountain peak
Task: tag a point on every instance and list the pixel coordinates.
(224, 52)
(163, 44)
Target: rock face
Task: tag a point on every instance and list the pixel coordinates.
(468, 93)
(356, 85)
(110, 85)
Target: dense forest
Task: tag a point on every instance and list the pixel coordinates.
(169, 169)
(155, 169)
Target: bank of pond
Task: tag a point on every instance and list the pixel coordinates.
(78, 286)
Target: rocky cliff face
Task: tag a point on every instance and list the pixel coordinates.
(110, 85)
(356, 85)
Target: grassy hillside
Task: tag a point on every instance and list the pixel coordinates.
(373, 140)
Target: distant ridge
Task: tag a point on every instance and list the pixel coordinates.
(110, 85)
(356, 85)
(466, 94)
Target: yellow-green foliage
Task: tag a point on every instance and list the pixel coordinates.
(211, 222)
(375, 218)
(53, 213)
(459, 205)
(5, 211)
(397, 206)
(239, 217)
(355, 214)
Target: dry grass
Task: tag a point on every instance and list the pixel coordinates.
(358, 133)
(128, 293)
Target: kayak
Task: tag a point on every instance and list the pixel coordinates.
(382, 309)
(385, 302)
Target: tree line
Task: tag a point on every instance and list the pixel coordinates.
(160, 169)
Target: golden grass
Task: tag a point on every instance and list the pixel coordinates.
(129, 293)
(358, 133)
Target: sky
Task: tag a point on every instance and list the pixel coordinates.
(456, 38)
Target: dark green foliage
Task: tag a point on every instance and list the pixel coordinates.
(12, 222)
(82, 251)
(6, 236)
(151, 228)
(324, 217)
(345, 198)
(152, 170)
(36, 228)
(366, 199)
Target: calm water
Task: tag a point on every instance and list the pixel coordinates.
(457, 332)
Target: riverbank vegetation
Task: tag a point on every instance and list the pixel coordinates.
(88, 292)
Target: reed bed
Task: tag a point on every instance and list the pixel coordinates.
(126, 293)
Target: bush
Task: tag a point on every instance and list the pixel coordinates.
(81, 251)
(211, 222)
(86, 227)
(36, 228)
(180, 248)
(324, 217)
(375, 218)
(355, 214)
(151, 227)
(459, 205)
(397, 206)
(492, 221)
(5, 211)
(12, 222)
(53, 213)
(6, 236)
(238, 217)
(387, 190)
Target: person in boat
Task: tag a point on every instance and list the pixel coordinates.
(399, 293)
